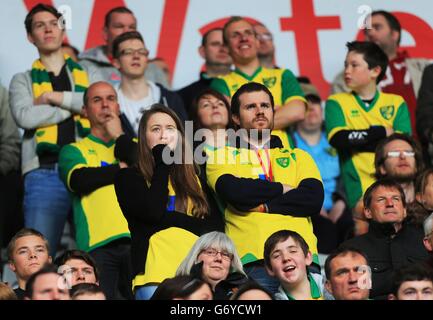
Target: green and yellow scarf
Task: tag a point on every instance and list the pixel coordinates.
(47, 137)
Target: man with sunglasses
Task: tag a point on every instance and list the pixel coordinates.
(399, 157)
(136, 93)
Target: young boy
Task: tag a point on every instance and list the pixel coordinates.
(28, 252)
(287, 257)
(80, 264)
(357, 121)
(46, 102)
(414, 282)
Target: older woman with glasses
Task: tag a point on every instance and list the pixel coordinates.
(213, 258)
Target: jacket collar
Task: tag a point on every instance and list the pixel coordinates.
(275, 142)
(382, 229)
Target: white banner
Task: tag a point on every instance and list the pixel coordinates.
(309, 35)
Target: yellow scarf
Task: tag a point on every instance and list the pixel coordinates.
(47, 137)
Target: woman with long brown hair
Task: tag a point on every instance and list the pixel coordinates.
(164, 201)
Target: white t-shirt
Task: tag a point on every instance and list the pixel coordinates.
(133, 109)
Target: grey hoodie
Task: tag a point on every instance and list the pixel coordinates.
(9, 136)
(30, 117)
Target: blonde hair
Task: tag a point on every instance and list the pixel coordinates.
(6, 292)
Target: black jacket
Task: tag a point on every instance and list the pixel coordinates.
(424, 108)
(145, 209)
(172, 100)
(191, 91)
(225, 288)
(388, 251)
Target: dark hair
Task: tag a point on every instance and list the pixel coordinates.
(392, 21)
(422, 180)
(372, 54)
(177, 287)
(74, 50)
(281, 236)
(194, 107)
(247, 286)
(40, 7)
(78, 255)
(232, 20)
(380, 156)
(417, 211)
(183, 176)
(342, 250)
(108, 15)
(313, 98)
(413, 272)
(83, 288)
(206, 35)
(249, 87)
(387, 183)
(130, 35)
(48, 268)
(23, 233)
(6, 292)
(303, 79)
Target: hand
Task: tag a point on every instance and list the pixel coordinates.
(337, 210)
(389, 131)
(123, 165)
(54, 98)
(157, 152)
(113, 126)
(42, 99)
(259, 208)
(286, 188)
(324, 214)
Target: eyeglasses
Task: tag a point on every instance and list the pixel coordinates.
(396, 154)
(213, 253)
(130, 52)
(264, 36)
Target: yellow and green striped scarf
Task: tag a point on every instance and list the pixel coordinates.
(47, 137)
